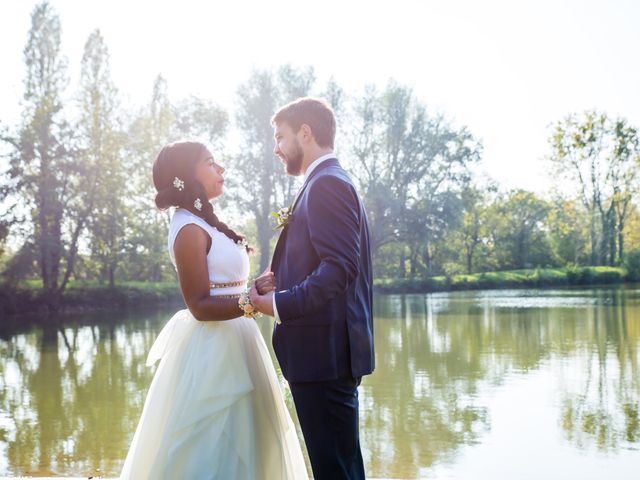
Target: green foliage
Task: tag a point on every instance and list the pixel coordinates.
(410, 167)
(528, 278)
(598, 158)
(29, 298)
(101, 138)
(632, 265)
(567, 233)
(518, 228)
(43, 179)
(79, 199)
(260, 183)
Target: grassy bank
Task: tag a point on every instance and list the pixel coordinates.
(27, 297)
(539, 277)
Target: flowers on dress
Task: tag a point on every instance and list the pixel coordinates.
(198, 204)
(178, 183)
(283, 217)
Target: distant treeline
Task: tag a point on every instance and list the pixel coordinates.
(78, 200)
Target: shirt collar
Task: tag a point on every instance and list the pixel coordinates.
(317, 162)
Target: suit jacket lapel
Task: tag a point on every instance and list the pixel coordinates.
(327, 163)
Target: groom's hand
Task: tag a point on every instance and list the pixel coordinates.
(262, 303)
(265, 283)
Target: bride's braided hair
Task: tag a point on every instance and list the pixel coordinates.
(178, 160)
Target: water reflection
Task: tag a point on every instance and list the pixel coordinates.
(600, 398)
(71, 393)
(438, 355)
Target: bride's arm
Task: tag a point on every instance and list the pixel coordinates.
(190, 249)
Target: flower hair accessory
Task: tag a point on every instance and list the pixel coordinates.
(198, 204)
(244, 302)
(179, 184)
(242, 243)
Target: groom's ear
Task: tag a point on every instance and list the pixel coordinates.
(306, 133)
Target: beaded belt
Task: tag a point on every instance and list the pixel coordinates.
(239, 283)
(232, 295)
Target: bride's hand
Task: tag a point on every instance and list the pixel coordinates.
(265, 283)
(262, 303)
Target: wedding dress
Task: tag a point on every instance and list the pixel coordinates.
(214, 409)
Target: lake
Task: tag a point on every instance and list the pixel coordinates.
(509, 384)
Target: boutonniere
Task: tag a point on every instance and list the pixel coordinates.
(283, 217)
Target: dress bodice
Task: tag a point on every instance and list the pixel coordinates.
(227, 262)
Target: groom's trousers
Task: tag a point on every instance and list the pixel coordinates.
(328, 414)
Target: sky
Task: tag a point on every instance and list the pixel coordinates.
(506, 70)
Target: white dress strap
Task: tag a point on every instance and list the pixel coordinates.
(182, 218)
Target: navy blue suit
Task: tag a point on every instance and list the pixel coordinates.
(324, 344)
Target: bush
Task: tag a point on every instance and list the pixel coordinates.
(607, 275)
(27, 298)
(527, 278)
(632, 265)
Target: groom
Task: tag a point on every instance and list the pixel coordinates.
(323, 335)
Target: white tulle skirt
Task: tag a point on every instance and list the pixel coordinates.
(214, 409)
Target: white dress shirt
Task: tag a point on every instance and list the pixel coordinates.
(310, 169)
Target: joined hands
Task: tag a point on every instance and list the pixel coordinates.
(262, 291)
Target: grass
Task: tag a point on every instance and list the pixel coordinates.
(538, 277)
(27, 297)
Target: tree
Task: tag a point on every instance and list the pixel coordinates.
(407, 160)
(42, 173)
(600, 156)
(147, 227)
(471, 235)
(368, 168)
(568, 232)
(158, 124)
(102, 203)
(577, 156)
(519, 230)
(261, 185)
(625, 162)
(201, 119)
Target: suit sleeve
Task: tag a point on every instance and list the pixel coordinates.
(334, 230)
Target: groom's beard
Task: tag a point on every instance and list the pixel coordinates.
(294, 161)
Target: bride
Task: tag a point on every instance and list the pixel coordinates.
(214, 409)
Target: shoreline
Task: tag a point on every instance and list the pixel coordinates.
(542, 278)
(27, 300)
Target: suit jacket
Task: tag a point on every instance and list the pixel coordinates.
(322, 265)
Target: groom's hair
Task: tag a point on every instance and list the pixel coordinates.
(309, 111)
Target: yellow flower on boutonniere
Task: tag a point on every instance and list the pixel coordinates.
(283, 216)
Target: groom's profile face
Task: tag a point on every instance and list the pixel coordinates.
(288, 148)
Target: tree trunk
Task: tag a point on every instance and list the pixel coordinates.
(402, 265)
(470, 251)
(413, 262)
(594, 245)
(427, 259)
(620, 242)
(606, 246)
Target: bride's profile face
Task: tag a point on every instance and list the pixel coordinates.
(209, 173)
